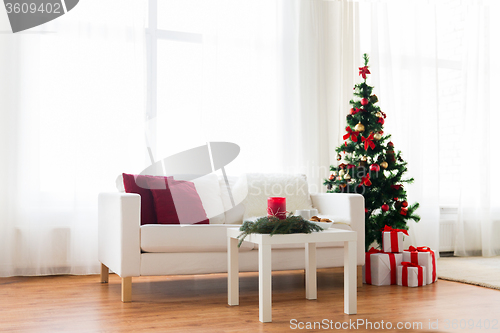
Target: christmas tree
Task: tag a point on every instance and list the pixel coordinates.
(370, 166)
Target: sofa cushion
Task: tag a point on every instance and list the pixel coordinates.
(210, 194)
(176, 202)
(238, 190)
(138, 184)
(187, 238)
(261, 186)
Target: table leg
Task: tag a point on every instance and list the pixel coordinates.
(265, 284)
(350, 285)
(233, 297)
(311, 281)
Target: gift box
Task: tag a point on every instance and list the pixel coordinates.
(425, 257)
(392, 239)
(411, 275)
(380, 267)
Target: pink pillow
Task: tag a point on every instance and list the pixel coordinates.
(138, 184)
(178, 203)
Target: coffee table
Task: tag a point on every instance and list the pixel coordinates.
(265, 241)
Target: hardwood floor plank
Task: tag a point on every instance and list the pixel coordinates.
(198, 303)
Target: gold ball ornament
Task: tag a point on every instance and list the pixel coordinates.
(341, 172)
(347, 177)
(359, 127)
(378, 114)
(377, 136)
(384, 164)
(339, 178)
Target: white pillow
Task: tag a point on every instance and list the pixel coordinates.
(261, 186)
(209, 191)
(239, 190)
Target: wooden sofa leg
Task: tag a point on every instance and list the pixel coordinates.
(127, 289)
(360, 275)
(104, 273)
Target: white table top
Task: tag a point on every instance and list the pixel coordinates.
(329, 235)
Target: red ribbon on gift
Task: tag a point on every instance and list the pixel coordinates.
(404, 277)
(394, 236)
(414, 257)
(368, 142)
(351, 133)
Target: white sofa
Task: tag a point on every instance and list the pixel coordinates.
(131, 250)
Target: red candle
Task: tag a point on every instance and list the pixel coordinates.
(276, 206)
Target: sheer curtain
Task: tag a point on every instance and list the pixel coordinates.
(72, 96)
(267, 81)
(479, 208)
(400, 38)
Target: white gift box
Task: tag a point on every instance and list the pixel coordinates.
(380, 267)
(413, 276)
(425, 259)
(387, 244)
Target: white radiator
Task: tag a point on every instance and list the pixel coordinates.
(447, 226)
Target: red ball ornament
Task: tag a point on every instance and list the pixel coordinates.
(352, 111)
(331, 177)
(364, 101)
(404, 211)
(385, 207)
(381, 121)
(404, 204)
(375, 167)
(395, 199)
(366, 210)
(390, 144)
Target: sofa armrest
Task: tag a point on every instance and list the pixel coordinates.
(346, 208)
(119, 216)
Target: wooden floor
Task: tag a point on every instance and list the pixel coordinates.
(199, 304)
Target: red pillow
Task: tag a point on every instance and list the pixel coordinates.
(138, 184)
(179, 203)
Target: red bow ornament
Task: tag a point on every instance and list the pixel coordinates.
(363, 71)
(366, 180)
(351, 133)
(368, 142)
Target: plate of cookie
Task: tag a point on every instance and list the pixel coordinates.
(321, 222)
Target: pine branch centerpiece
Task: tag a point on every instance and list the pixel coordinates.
(370, 166)
(272, 225)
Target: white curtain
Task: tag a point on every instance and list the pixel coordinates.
(269, 79)
(400, 38)
(74, 104)
(479, 209)
(72, 95)
(317, 87)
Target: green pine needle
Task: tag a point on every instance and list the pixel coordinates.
(273, 225)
